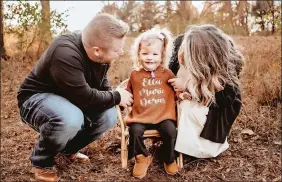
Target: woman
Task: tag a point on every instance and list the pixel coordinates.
(209, 67)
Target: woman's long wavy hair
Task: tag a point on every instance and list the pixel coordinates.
(150, 36)
(211, 59)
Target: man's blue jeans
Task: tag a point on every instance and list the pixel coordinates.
(63, 127)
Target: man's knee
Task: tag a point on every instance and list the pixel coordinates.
(62, 129)
(73, 121)
(109, 118)
(65, 125)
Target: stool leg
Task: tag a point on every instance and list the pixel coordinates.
(180, 161)
(124, 152)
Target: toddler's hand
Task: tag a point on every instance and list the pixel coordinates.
(178, 84)
(185, 95)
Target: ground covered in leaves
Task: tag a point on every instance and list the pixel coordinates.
(255, 138)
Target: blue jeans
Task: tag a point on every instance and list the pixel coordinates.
(63, 127)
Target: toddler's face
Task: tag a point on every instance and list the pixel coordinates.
(150, 54)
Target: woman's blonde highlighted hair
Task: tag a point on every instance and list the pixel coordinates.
(153, 34)
(211, 59)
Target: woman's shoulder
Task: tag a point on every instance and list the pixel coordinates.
(232, 89)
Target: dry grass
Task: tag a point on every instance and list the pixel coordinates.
(25, 45)
(251, 157)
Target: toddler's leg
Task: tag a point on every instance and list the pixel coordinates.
(167, 131)
(136, 140)
(138, 149)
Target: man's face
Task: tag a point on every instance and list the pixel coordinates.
(114, 51)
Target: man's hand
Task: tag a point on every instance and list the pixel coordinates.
(126, 98)
(178, 84)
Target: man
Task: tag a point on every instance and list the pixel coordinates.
(67, 97)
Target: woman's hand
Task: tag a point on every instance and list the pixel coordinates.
(178, 84)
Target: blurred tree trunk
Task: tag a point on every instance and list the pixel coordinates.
(168, 12)
(229, 10)
(126, 13)
(273, 22)
(149, 15)
(186, 14)
(260, 9)
(272, 12)
(110, 8)
(243, 12)
(2, 49)
(207, 10)
(45, 35)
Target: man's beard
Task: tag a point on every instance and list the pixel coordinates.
(103, 61)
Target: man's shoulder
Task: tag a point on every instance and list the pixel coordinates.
(67, 44)
(71, 40)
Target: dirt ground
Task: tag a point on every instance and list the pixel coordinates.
(255, 138)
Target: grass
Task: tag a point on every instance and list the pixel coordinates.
(251, 157)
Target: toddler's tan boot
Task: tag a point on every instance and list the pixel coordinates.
(171, 169)
(141, 165)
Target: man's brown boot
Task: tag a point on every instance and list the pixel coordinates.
(79, 157)
(45, 175)
(171, 169)
(141, 165)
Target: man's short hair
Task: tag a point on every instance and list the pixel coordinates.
(101, 29)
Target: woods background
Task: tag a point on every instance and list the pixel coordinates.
(27, 28)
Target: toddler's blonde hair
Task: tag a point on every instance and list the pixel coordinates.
(153, 34)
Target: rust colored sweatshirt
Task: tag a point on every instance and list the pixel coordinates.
(154, 98)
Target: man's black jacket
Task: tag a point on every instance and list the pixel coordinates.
(65, 69)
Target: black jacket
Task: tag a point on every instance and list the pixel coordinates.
(223, 113)
(173, 63)
(65, 69)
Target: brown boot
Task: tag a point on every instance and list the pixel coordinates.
(171, 169)
(141, 165)
(45, 175)
(79, 157)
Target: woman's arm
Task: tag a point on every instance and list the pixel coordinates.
(222, 114)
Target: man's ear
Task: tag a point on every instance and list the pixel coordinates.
(96, 51)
